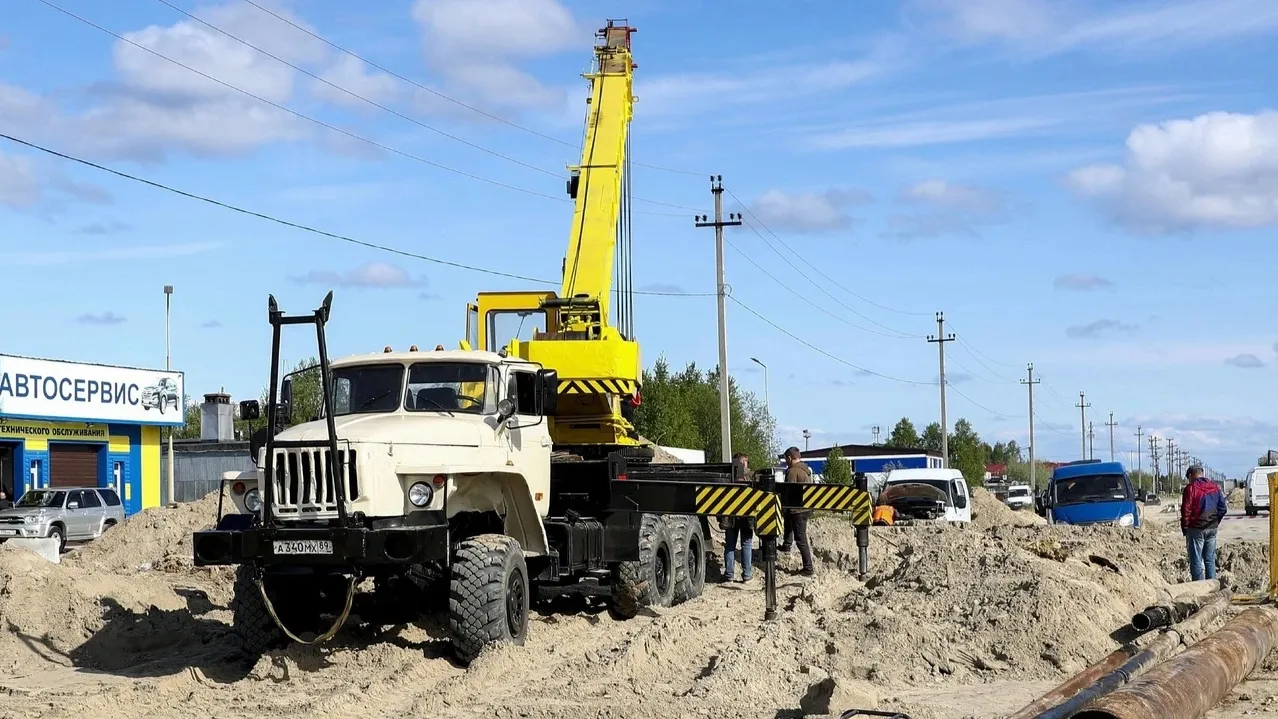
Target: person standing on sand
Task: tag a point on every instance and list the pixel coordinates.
(739, 529)
(1202, 506)
(796, 520)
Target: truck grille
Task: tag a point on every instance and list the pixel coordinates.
(304, 482)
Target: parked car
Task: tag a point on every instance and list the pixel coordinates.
(64, 514)
(937, 495)
(1019, 497)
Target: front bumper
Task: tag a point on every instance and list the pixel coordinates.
(351, 546)
(35, 530)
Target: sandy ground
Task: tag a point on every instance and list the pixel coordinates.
(951, 623)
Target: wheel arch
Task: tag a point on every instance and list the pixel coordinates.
(507, 493)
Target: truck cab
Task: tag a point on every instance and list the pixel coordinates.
(1019, 496)
(1092, 492)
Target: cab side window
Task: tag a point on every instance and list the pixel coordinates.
(523, 390)
(89, 499)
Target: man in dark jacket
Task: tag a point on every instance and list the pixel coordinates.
(796, 520)
(1202, 506)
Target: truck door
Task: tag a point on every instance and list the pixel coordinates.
(530, 436)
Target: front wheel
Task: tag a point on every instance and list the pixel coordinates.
(488, 595)
(251, 622)
(58, 533)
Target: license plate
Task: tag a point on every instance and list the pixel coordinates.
(304, 546)
(8, 532)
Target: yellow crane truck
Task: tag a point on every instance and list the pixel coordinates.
(475, 480)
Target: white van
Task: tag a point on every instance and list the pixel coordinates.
(928, 494)
(1256, 493)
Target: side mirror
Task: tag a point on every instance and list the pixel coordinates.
(505, 410)
(284, 410)
(250, 409)
(73, 505)
(548, 391)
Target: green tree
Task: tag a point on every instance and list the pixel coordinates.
(968, 453)
(904, 435)
(682, 410)
(931, 438)
(838, 470)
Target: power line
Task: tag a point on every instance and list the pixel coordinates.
(321, 123)
(1002, 415)
(813, 347)
(755, 217)
(303, 227)
(439, 94)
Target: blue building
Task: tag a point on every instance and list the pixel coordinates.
(68, 424)
(875, 460)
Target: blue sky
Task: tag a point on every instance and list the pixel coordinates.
(1088, 186)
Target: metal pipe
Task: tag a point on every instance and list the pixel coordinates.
(1076, 683)
(1189, 685)
(1178, 610)
(1157, 650)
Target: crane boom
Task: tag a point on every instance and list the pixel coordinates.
(573, 332)
(596, 184)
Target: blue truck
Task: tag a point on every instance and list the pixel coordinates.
(1090, 491)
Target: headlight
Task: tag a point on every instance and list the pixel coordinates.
(420, 494)
(253, 500)
(1126, 520)
(30, 519)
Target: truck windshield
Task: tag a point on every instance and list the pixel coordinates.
(1018, 492)
(367, 388)
(1091, 488)
(448, 387)
(38, 498)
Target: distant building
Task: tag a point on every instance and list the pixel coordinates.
(875, 460)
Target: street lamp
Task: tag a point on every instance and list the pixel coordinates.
(766, 402)
(168, 478)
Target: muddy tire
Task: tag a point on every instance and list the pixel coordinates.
(252, 624)
(488, 595)
(650, 580)
(689, 557)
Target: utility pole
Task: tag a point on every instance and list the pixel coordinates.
(1153, 459)
(725, 409)
(1029, 383)
(1139, 433)
(1170, 454)
(1091, 442)
(807, 436)
(940, 339)
(876, 435)
(168, 474)
(1082, 419)
(1111, 424)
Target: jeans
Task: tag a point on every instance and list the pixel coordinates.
(1201, 545)
(741, 531)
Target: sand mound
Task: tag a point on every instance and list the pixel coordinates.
(988, 511)
(155, 538)
(1245, 565)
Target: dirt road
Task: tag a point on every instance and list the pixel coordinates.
(952, 623)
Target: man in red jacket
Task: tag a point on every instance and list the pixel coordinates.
(1202, 506)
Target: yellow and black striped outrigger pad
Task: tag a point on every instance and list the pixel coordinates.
(838, 498)
(596, 386)
(741, 501)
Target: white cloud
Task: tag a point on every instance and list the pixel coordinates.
(1082, 282)
(1044, 27)
(476, 45)
(370, 275)
(112, 254)
(685, 93)
(947, 209)
(1215, 170)
(355, 76)
(928, 132)
(19, 186)
(808, 212)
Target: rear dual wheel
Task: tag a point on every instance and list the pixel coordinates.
(651, 580)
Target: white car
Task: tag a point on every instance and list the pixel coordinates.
(1019, 496)
(931, 494)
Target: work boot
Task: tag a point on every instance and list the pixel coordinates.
(784, 548)
(806, 572)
